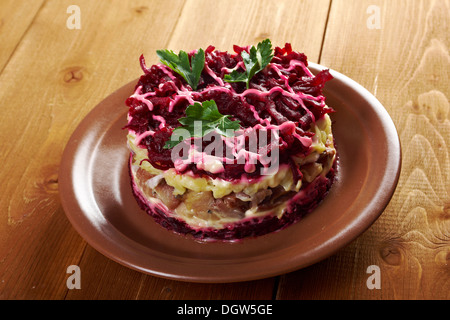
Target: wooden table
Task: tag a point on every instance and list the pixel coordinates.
(53, 71)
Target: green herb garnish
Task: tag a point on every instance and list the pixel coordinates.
(190, 71)
(202, 119)
(254, 62)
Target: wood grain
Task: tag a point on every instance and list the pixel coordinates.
(225, 23)
(55, 76)
(15, 18)
(51, 77)
(105, 279)
(405, 64)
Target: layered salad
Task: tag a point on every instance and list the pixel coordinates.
(229, 145)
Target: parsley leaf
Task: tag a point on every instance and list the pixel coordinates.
(255, 61)
(190, 71)
(202, 119)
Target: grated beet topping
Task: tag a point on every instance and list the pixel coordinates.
(284, 91)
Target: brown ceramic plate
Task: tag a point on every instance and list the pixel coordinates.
(96, 196)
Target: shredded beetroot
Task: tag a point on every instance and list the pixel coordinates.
(284, 91)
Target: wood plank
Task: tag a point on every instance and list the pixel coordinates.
(225, 23)
(164, 289)
(15, 18)
(104, 279)
(35, 259)
(53, 79)
(406, 64)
